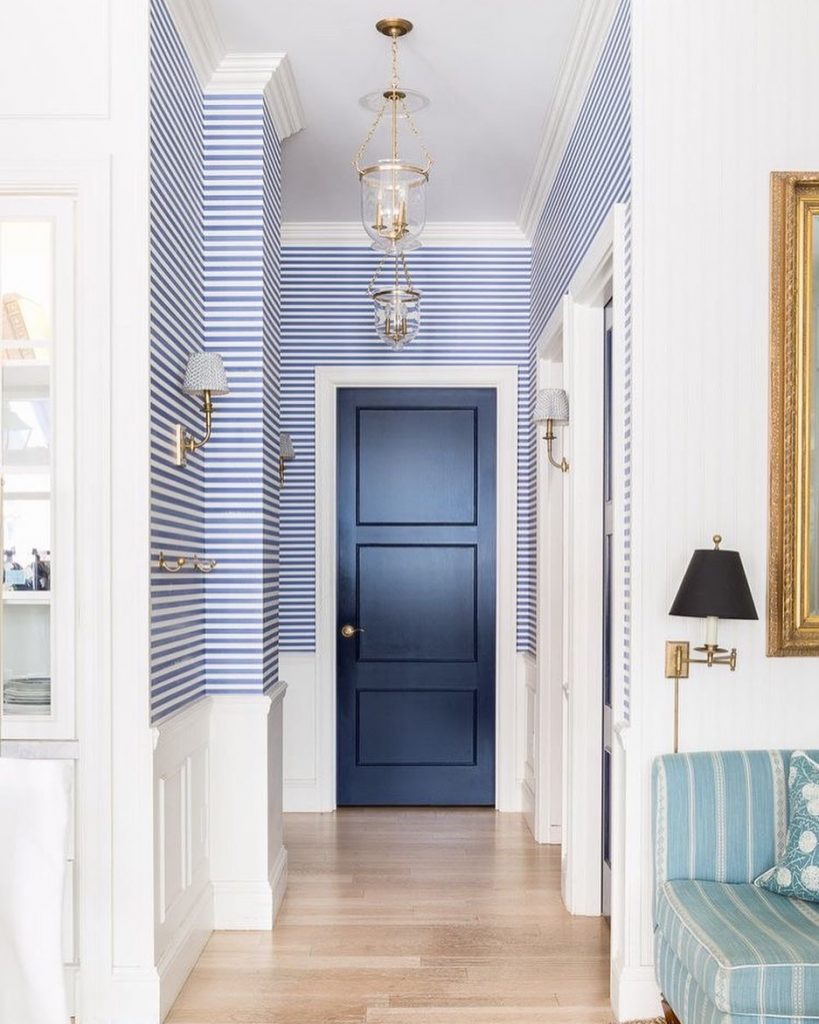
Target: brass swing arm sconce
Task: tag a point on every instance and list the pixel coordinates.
(714, 587)
(205, 376)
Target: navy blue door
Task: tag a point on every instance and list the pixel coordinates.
(416, 581)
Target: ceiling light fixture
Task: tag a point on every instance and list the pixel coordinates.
(397, 306)
(393, 191)
(393, 202)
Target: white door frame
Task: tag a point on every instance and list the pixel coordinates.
(504, 380)
(577, 326)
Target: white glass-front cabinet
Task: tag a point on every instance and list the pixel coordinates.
(36, 384)
(37, 468)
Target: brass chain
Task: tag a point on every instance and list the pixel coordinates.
(406, 271)
(374, 278)
(413, 127)
(378, 269)
(373, 127)
(416, 131)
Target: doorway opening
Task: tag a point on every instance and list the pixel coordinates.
(580, 577)
(504, 794)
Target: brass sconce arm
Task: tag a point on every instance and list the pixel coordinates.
(550, 437)
(186, 444)
(678, 658)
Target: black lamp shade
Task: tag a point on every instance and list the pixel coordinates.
(715, 584)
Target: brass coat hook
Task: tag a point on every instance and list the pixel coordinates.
(166, 566)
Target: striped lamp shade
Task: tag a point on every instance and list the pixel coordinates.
(551, 404)
(205, 372)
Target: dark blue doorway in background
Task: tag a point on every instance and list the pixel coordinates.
(416, 596)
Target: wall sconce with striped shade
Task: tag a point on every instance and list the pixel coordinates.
(286, 454)
(552, 406)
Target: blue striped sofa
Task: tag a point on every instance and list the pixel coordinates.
(726, 951)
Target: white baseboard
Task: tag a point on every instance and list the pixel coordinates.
(242, 906)
(184, 949)
(133, 998)
(527, 799)
(278, 881)
(302, 795)
(635, 993)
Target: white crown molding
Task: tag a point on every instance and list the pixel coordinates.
(219, 71)
(578, 69)
(268, 73)
(474, 234)
(196, 24)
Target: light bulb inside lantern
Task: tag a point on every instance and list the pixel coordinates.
(397, 316)
(393, 204)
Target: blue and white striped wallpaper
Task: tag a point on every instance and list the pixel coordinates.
(176, 326)
(220, 278)
(242, 231)
(475, 309)
(215, 256)
(594, 173)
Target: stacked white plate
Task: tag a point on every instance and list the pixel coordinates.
(27, 692)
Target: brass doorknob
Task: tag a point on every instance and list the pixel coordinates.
(350, 631)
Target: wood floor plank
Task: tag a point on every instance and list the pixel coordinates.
(409, 916)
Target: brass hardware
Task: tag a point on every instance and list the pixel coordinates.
(550, 437)
(184, 443)
(350, 631)
(678, 660)
(793, 614)
(717, 541)
(394, 27)
(165, 565)
(177, 564)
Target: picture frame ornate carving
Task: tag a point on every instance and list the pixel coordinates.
(793, 552)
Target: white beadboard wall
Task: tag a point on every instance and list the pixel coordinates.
(723, 95)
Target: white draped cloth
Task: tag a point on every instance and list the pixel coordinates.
(34, 809)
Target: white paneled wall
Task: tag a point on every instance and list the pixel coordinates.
(183, 894)
(722, 96)
(219, 856)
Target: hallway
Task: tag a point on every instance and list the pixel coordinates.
(409, 916)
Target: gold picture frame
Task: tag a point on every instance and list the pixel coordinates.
(793, 555)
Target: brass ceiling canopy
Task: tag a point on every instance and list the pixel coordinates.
(394, 27)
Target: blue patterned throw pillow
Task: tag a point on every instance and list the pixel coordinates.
(797, 874)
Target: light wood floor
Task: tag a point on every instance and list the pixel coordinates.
(409, 917)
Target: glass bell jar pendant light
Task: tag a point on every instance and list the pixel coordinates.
(393, 190)
(397, 305)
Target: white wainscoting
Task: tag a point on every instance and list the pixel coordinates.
(243, 786)
(183, 898)
(219, 855)
(527, 743)
(301, 783)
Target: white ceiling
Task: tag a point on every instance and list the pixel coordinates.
(489, 67)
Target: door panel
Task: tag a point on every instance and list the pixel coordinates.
(398, 481)
(416, 579)
(418, 601)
